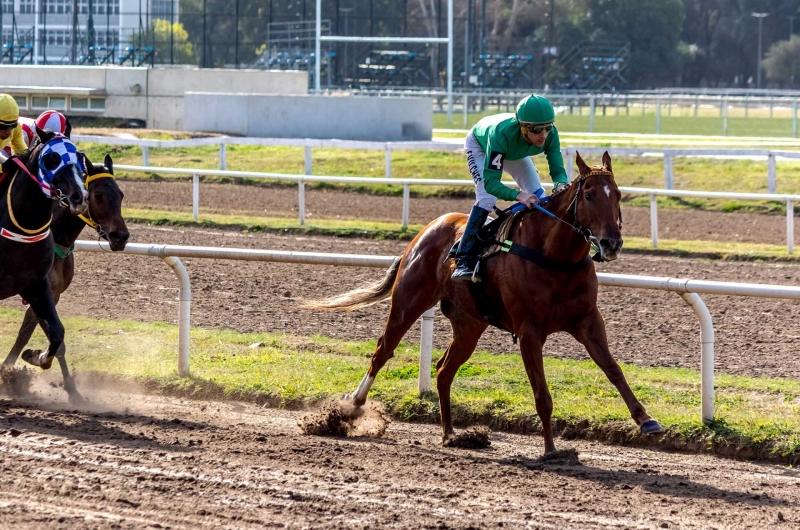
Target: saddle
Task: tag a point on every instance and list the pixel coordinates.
(494, 237)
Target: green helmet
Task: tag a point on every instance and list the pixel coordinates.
(535, 110)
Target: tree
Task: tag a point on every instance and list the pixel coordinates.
(170, 42)
(782, 62)
(651, 27)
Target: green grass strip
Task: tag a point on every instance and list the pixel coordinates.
(757, 416)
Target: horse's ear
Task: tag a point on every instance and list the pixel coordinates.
(44, 136)
(68, 128)
(582, 167)
(87, 164)
(109, 163)
(607, 162)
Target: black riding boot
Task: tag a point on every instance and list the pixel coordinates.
(466, 255)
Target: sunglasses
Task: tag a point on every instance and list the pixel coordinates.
(5, 127)
(538, 129)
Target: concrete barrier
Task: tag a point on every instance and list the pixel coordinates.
(305, 116)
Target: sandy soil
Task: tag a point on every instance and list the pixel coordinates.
(135, 461)
(251, 200)
(753, 336)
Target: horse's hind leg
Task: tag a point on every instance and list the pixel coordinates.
(40, 297)
(411, 296)
(466, 332)
(592, 334)
(29, 323)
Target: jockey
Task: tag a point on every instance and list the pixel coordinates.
(49, 121)
(505, 142)
(10, 128)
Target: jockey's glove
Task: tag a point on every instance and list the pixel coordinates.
(558, 186)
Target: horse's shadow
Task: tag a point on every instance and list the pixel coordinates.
(97, 427)
(650, 480)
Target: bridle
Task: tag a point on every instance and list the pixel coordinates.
(572, 210)
(88, 218)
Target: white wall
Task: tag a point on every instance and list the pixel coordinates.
(154, 95)
(305, 116)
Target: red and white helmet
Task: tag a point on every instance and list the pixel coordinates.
(52, 121)
(28, 126)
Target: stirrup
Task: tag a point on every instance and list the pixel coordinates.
(475, 278)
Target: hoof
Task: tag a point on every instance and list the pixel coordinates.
(38, 358)
(651, 427)
(351, 400)
(77, 400)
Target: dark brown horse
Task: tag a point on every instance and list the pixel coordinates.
(105, 216)
(551, 287)
(31, 187)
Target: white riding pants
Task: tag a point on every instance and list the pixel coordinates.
(523, 172)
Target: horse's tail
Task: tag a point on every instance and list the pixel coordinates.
(363, 296)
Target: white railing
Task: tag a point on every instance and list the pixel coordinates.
(687, 289)
(770, 156)
(301, 180)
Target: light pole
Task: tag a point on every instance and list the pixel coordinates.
(760, 17)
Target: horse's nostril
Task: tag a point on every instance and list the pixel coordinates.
(76, 198)
(605, 243)
(121, 237)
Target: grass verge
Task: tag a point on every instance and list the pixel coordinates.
(758, 417)
(729, 250)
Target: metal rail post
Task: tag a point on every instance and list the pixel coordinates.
(196, 197)
(794, 118)
(658, 116)
(388, 162)
(223, 156)
(145, 155)
(406, 201)
(790, 226)
(301, 202)
(307, 165)
(669, 179)
(426, 350)
(772, 177)
(654, 220)
(706, 355)
(592, 104)
(184, 313)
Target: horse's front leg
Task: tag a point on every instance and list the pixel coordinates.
(591, 332)
(530, 346)
(40, 297)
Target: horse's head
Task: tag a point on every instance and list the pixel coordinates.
(595, 206)
(105, 203)
(55, 164)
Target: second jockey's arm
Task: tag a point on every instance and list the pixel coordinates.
(493, 185)
(555, 161)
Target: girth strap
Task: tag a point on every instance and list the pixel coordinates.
(540, 260)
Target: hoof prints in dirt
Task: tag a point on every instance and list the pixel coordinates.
(345, 420)
(16, 381)
(473, 438)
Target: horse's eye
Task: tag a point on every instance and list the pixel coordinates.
(587, 196)
(98, 197)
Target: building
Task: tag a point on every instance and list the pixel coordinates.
(47, 32)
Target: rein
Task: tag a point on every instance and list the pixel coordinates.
(11, 209)
(547, 263)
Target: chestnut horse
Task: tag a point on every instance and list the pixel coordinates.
(552, 288)
(105, 216)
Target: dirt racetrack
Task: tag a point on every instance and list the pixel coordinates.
(153, 462)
